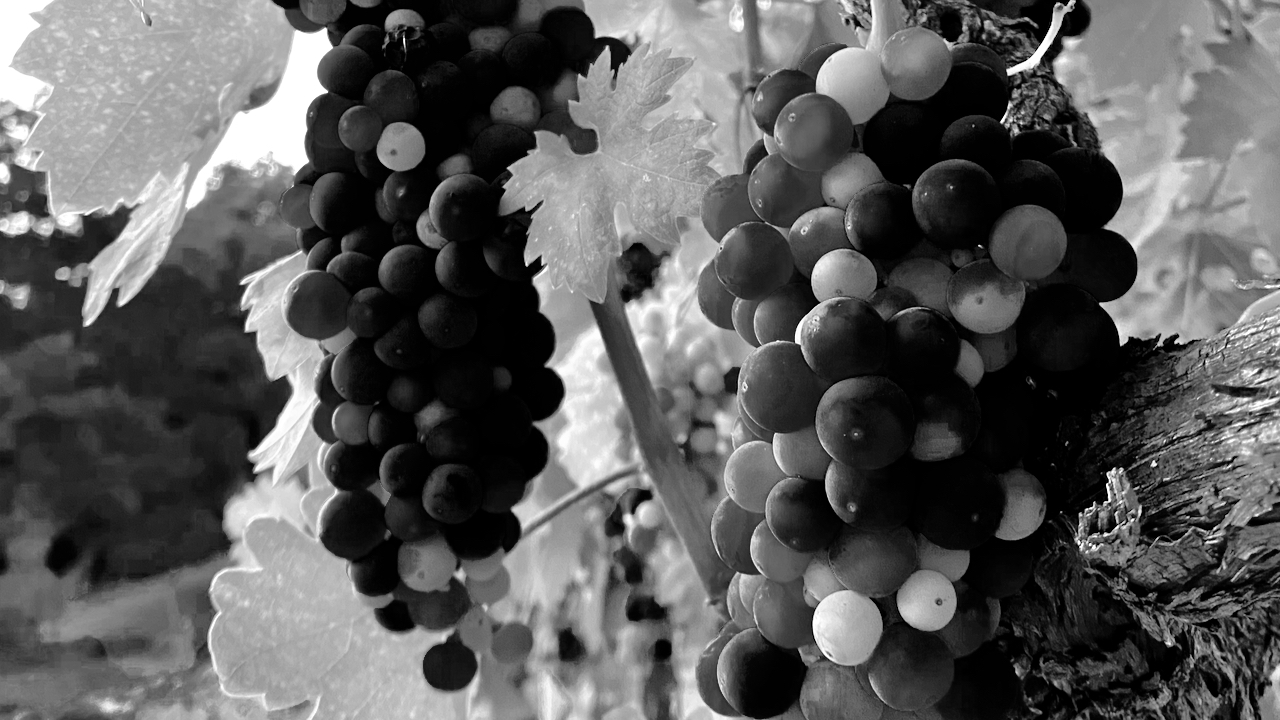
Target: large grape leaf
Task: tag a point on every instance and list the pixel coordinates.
(291, 631)
(281, 348)
(135, 111)
(658, 172)
(291, 444)
(1138, 42)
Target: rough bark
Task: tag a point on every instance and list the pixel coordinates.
(1155, 593)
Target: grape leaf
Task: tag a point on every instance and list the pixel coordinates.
(281, 348)
(129, 100)
(291, 630)
(1138, 42)
(291, 444)
(657, 172)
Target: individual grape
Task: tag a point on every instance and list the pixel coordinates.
(853, 77)
(475, 630)
(533, 453)
(983, 299)
(516, 106)
(315, 305)
(388, 428)
(778, 315)
(572, 32)
(974, 622)
(780, 193)
(958, 503)
(705, 672)
(922, 344)
(902, 139)
(774, 92)
(731, 530)
(372, 239)
(542, 391)
(753, 156)
(951, 564)
(410, 392)
(757, 678)
(372, 169)
(351, 423)
(338, 203)
(463, 207)
(777, 388)
(407, 272)
(490, 590)
(453, 493)
(1028, 242)
(813, 235)
(997, 350)
(437, 610)
(880, 223)
(482, 535)
(927, 600)
(891, 300)
(925, 279)
(742, 315)
(800, 454)
(753, 260)
(393, 96)
(916, 63)
(404, 347)
(910, 669)
(532, 59)
(346, 70)
(497, 147)
(979, 139)
(1093, 186)
(866, 422)
(1031, 182)
(1038, 144)
(490, 38)
(295, 207)
(1063, 328)
(401, 147)
(843, 273)
(359, 128)
(969, 366)
(740, 612)
(485, 75)
(726, 205)
(404, 468)
(1101, 262)
(462, 270)
(813, 132)
(873, 564)
(451, 40)
(350, 524)
(798, 515)
(448, 322)
(847, 177)
(350, 466)
(971, 89)
(354, 270)
(512, 643)
(309, 238)
(870, 500)
(999, 568)
(463, 380)
(750, 474)
(842, 338)
(847, 627)
(394, 617)
(774, 560)
(322, 422)
(376, 573)
(407, 194)
(484, 568)
(956, 202)
(985, 687)
(972, 52)
(781, 614)
(358, 375)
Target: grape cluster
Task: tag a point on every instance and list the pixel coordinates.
(634, 525)
(902, 266)
(435, 349)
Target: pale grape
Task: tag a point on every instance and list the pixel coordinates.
(1024, 504)
(847, 626)
(926, 279)
(336, 343)
(1028, 242)
(516, 105)
(750, 473)
(843, 273)
(846, 178)
(983, 299)
(486, 567)
(916, 63)
(512, 643)
(800, 454)
(819, 580)
(997, 350)
(708, 379)
(475, 630)
(490, 590)
(853, 77)
(455, 164)
(351, 423)
(397, 19)
(969, 366)
(952, 564)
(927, 600)
(401, 147)
(426, 565)
(649, 514)
(774, 560)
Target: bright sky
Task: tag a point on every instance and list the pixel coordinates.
(276, 128)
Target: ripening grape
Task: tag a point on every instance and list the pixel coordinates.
(969, 366)
(731, 531)
(813, 235)
(705, 672)
(916, 63)
(1024, 504)
(910, 669)
(753, 260)
(512, 643)
(781, 614)
(475, 630)
(926, 279)
(351, 423)
(890, 300)
(490, 590)
(401, 147)
(813, 132)
(781, 193)
(1028, 242)
(799, 516)
(799, 454)
(927, 600)
(951, 564)
(844, 179)
(516, 106)
(427, 565)
(847, 627)
(774, 92)
(997, 350)
(819, 580)
(774, 560)
(315, 305)
(777, 388)
(948, 418)
(750, 474)
(874, 564)
(757, 678)
(484, 568)
(870, 500)
(983, 299)
(835, 692)
(295, 207)
(853, 77)
(866, 422)
(843, 273)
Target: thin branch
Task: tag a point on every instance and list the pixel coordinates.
(583, 492)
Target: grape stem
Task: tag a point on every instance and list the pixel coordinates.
(567, 501)
(1055, 25)
(887, 18)
(674, 481)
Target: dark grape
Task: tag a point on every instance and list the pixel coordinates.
(834, 692)
(799, 516)
(1093, 185)
(843, 338)
(778, 389)
(408, 273)
(874, 564)
(449, 666)
(871, 500)
(959, 503)
(778, 316)
(323, 115)
(351, 467)
(999, 569)
(980, 54)
(532, 59)
(463, 380)
(542, 391)
(456, 439)
(902, 138)
(910, 669)
(504, 483)
(714, 300)
(1063, 328)
(404, 347)
(339, 202)
(753, 261)
(948, 418)
(437, 610)
(461, 269)
(372, 312)
(781, 614)
(448, 322)
(358, 375)
(619, 52)
(345, 70)
(376, 573)
(725, 205)
(322, 422)
(408, 520)
(731, 529)
(776, 90)
(866, 422)
(1038, 144)
(891, 300)
(393, 95)
(306, 175)
(880, 221)
(971, 89)
(486, 75)
(394, 617)
(757, 678)
(975, 621)
(980, 139)
(581, 140)
(955, 203)
(986, 687)
(497, 147)
(322, 383)
(813, 61)
(410, 392)
(1031, 182)
(463, 208)
(350, 524)
(1007, 415)
(356, 271)
(368, 38)
(743, 316)
(1101, 262)
(388, 428)
(572, 32)
(372, 239)
(404, 468)
(449, 39)
(705, 673)
(407, 193)
(482, 534)
(780, 193)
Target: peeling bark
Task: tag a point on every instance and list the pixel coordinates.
(1161, 603)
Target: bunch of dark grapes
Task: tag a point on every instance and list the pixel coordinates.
(418, 291)
(907, 271)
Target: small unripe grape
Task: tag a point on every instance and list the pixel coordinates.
(927, 600)
(401, 147)
(427, 565)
